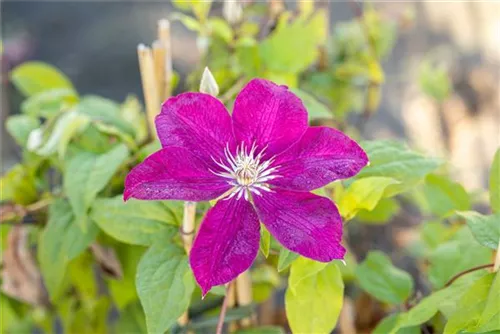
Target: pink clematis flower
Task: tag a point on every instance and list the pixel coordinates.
(261, 162)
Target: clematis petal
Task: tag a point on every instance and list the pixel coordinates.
(321, 156)
(196, 121)
(268, 115)
(173, 173)
(303, 222)
(227, 243)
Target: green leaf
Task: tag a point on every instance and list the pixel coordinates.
(315, 109)
(104, 110)
(123, 291)
(314, 305)
(199, 8)
(388, 325)
(265, 240)
(87, 174)
(133, 222)
(392, 159)
(131, 320)
(495, 183)
(286, 258)
(189, 22)
(164, 284)
(20, 127)
(132, 113)
(301, 269)
(262, 330)
(462, 252)
(8, 315)
(248, 59)
(468, 315)
(60, 242)
(489, 319)
(279, 51)
(381, 214)
(442, 300)
(221, 28)
(486, 229)
(67, 126)
(365, 194)
(377, 276)
(442, 197)
(49, 103)
(35, 77)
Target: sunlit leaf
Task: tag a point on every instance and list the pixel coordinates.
(364, 194)
(381, 279)
(301, 269)
(18, 185)
(164, 284)
(279, 51)
(314, 305)
(36, 77)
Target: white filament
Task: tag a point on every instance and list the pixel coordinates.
(246, 171)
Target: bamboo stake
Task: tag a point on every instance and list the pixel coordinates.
(164, 37)
(159, 56)
(188, 225)
(146, 66)
(244, 294)
(231, 291)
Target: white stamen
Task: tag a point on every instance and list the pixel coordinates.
(246, 171)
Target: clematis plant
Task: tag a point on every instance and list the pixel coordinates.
(261, 164)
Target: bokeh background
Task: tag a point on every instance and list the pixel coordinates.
(94, 43)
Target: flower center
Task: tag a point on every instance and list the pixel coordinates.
(246, 171)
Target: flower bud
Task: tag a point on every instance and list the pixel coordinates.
(232, 11)
(208, 85)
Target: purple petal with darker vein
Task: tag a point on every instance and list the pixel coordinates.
(321, 156)
(269, 115)
(173, 173)
(226, 244)
(303, 222)
(196, 121)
